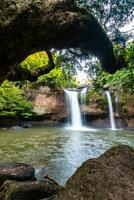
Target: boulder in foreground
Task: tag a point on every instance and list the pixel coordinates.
(109, 177)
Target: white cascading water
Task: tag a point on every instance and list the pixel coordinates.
(75, 113)
(83, 99)
(111, 113)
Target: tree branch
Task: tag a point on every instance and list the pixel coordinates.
(27, 27)
(19, 73)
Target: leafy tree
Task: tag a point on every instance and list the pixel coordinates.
(123, 80)
(13, 103)
(59, 77)
(36, 60)
(33, 66)
(112, 14)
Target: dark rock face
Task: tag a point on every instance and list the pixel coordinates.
(15, 171)
(109, 177)
(30, 26)
(29, 190)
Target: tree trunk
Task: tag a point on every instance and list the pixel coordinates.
(35, 25)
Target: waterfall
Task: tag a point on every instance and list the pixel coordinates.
(111, 113)
(83, 98)
(74, 109)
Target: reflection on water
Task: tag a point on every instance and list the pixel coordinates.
(60, 151)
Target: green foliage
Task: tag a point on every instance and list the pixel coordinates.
(57, 79)
(99, 101)
(122, 80)
(36, 60)
(13, 103)
(93, 95)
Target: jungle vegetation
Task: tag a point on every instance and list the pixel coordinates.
(112, 15)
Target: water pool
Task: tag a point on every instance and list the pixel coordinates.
(59, 151)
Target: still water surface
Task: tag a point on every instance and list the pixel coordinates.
(58, 150)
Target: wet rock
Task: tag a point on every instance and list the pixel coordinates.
(15, 171)
(109, 177)
(29, 190)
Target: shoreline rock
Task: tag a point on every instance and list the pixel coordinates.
(18, 182)
(28, 190)
(16, 171)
